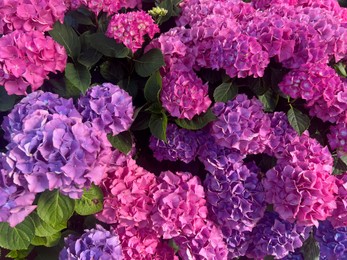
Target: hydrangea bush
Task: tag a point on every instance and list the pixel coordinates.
(173, 129)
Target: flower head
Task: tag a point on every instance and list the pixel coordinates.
(339, 215)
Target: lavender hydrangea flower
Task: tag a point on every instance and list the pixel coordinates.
(276, 237)
(52, 103)
(332, 242)
(15, 201)
(181, 145)
(108, 107)
(97, 244)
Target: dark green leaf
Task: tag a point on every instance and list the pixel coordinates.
(310, 249)
(158, 125)
(70, 89)
(18, 237)
(123, 141)
(91, 201)
(77, 17)
(48, 241)
(197, 122)
(153, 87)
(141, 122)
(107, 46)
(19, 254)
(155, 108)
(269, 100)
(150, 62)
(112, 71)
(299, 121)
(129, 85)
(259, 86)
(55, 208)
(43, 229)
(66, 36)
(89, 57)
(6, 101)
(224, 92)
(340, 165)
(103, 23)
(79, 76)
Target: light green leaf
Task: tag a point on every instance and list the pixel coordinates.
(197, 122)
(91, 201)
(43, 229)
(19, 254)
(224, 92)
(150, 62)
(48, 241)
(299, 121)
(79, 76)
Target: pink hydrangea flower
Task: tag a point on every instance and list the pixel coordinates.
(29, 15)
(339, 216)
(26, 59)
(180, 207)
(128, 193)
(184, 95)
(130, 28)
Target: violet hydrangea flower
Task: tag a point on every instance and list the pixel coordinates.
(181, 145)
(108, 107)
(338, 138)
(339, 215)
(95, 244)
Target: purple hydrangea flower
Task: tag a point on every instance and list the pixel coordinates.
(55, 151)
(15, 201)
(296, 255)
(241, 124)
(332, 242)
(52, 103)
(108, 107)
(338, 138)
(276, 237)
(97, 244)
(181, 145)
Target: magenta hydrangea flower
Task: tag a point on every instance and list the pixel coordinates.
(241, 124)
(26, 59)
(235, 198)
(339, 215)
(276, 237)
(128, 193)
(108, 107)
(332, 241)
(54, 151)
(338, 138)
(184, 95)
(30, 15)
(207, 244)
(181, 145)
(180, 207)
(95, 244)
(15, 201)
(38, 100)
(130, 28)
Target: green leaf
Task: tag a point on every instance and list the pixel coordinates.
(48, 241)
(141, 122)
(224, 92)
(66, 36)
(43, 229)
(310, 249)
(150, 62)
(107, 46)
(153, 87)
(6, 101)
(112, 71)
(123, 141)
(259, 86)
(299, 121)
(79, 76)
(172, 7)
(19, 254)
(269, 100)
(18, 237)
(89, 57)
(79, 17)
(197, 122)
(340, 165)
(341, 69)
(158, 125)
(174, 246)
(91, 201)
(70, 89)
(55, 208)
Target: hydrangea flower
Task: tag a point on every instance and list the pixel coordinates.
(54, 151)
(128, 193)
(237, 243)
(235, 198)
(332, 242)
(339, 216)
(95, 244)
(38, 100)
(338, 138)
(241, 124)
(180, 207)
(30, 15)
(15, 201)
(108, 107)
(276, 237)
(184, 95)
(130, 28)
(181, 145)
(26, 59)
(207, 244)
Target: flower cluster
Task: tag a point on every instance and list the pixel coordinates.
(95, 243)
(338, 138)
(26, 59)
(29, 15)
(181, 145)
(130, 29)
(339, 215)
(108, 107)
